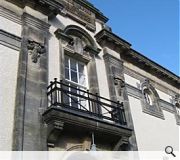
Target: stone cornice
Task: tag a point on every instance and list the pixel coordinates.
(48, 7)
(32, 21)
(61, 35)
(152, 67)
(98, 13)
(6, 13)
(91, 49)
(53, 7)
(107, 38)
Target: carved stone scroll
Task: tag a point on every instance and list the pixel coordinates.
(176, 100)
(119, 85)
(35, 50)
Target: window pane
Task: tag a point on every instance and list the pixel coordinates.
(67, 73)
(74, 76)
(66, 62)
(81, 68)
(73, 65)
(82, 79)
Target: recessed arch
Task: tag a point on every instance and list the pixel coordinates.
(150, 100)
(147, 87)
(81, 33)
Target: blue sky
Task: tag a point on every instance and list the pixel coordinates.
(151, 26)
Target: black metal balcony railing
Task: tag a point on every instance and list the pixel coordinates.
(63, 95)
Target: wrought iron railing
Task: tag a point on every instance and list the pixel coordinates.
(64, 95)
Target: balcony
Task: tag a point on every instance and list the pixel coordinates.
(74, 109)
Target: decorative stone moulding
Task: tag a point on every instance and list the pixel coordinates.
(73, 42)
(150, 100)
(106, 38)
(54, 6)
(91, 49)
(119, 81)
(176, 103)
(35, 50)
(177, 100)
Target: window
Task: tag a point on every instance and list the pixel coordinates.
(150, 100)
(148, 96)
(75, 72)
(76, 78)
(177, 104)
(177, 114)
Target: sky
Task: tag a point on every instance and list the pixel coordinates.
(151, 26)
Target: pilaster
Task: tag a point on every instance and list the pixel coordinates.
(117, 90)
(31, 99)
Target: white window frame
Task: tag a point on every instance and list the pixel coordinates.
(78, 85)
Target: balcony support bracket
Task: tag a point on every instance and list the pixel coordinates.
(53, 131)
(122, 142)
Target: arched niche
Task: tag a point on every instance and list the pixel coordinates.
(150, 100)
(81, 33)
(176, 102)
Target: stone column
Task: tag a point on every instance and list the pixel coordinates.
(31, 98)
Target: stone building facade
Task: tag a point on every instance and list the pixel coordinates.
(67, 82)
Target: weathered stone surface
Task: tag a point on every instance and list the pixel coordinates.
(29, 130)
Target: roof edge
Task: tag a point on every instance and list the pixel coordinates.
(97, 12)
(108, 36)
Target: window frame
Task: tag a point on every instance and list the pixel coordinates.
(77, 70)
(73, 83)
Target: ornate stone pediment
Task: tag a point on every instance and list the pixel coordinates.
(48, 7)
(77, 40)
